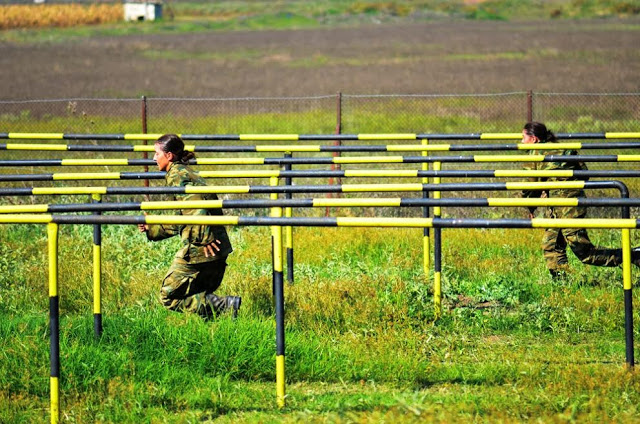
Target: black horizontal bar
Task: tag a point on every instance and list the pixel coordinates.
(100, 148)
(72, 136)
(142, 175)
(561, 136)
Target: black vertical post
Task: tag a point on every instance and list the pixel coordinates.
(289, 230)
(529, 105)
(628, 298)
(54, 323)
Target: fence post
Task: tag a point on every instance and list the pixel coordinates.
(144, 131)
(529, 105)
(338, 128)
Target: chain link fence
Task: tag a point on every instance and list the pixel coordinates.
(271, 115)
(330, 114)
(585, 112)
(343, 113)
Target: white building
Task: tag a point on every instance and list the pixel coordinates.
(142, 10)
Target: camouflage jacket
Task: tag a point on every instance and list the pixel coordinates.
(194, 237)
(557, 212)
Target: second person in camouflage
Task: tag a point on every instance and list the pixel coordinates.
(556, 240)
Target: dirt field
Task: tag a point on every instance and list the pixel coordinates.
(433, 57)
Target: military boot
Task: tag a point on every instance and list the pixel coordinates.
(220, 305)
(233, 303)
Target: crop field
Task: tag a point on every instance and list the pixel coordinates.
(363, 342)
(64, 15)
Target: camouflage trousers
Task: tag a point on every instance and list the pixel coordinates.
(185, 286)
(554, 246)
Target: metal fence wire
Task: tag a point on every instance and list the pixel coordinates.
(328, 114)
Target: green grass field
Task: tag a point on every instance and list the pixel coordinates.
(362, 343)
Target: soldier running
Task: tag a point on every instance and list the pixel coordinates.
(555, 240)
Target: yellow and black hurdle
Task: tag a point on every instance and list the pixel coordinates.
(425, 203)
(477, 158)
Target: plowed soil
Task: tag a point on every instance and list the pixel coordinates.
(430, 57)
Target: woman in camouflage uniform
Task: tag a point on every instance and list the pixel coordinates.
(555, 240)
(198, 267)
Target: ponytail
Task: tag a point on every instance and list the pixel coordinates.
(539, 130)
(172, 143)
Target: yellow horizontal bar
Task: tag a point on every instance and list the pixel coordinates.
(269, 137)
(552, 201)
(230, 161)
(545, 185)
(190, 204)
(628, 158)
(622, 135)
(533, 173)
(123, 162)
(49, 136)
(337, 203)
(190, 220)
(369, 159)
(583, 223)
(24, 209)
(418, 148)
(350, 188)
(12, 146)
(69, 190)
(508, 158)
(550, 146)
(384, 222)
(147, 148)
(26, 219)
(142, 136)
(87, 176)
(500, 136)
(216, 189)
(387, 136)
(304, 148)
(239, 174)
(380, 173)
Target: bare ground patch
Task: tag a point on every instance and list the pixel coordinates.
(430, 57)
